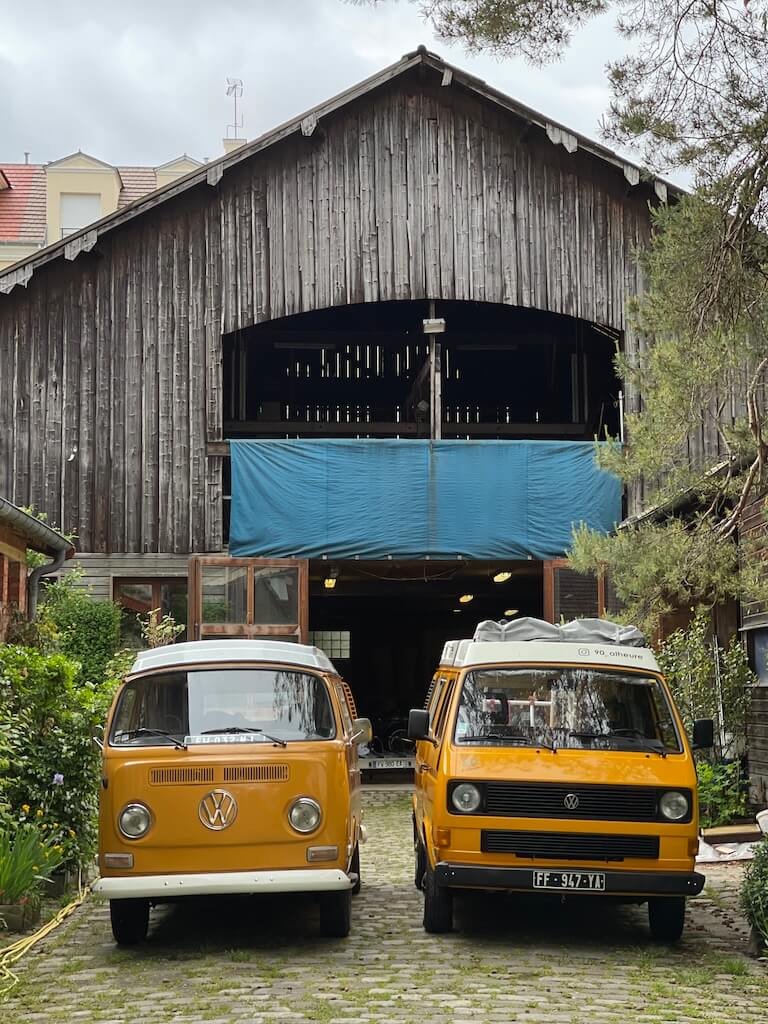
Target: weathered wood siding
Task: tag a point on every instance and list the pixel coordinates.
(111, 366)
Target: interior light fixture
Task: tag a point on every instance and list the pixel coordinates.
(502, 577)
(466, 598)
(510, 612)
(330, 580)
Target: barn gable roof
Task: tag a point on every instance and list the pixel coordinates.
(451, 76)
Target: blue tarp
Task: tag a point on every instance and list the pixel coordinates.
(413, 499)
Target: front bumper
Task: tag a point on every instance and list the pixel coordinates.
(617, 883)
(222, 882)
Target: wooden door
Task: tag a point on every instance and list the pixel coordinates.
(248, 597)
(571, 595)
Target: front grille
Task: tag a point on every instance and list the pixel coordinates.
(179, 776)
(569, 845)
(256, 773)
(550, 800)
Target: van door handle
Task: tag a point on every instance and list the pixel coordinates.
(423, 767)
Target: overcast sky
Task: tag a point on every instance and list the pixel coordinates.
(141, 82)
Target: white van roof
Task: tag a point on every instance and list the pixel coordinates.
(533, 641)
(200, 652)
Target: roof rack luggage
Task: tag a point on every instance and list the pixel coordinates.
(587, 631)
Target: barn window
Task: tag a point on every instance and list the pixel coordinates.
(334, 642)
(139, 597)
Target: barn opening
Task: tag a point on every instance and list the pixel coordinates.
(369, 372)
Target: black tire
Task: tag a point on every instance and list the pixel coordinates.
(336, 914)
(666, 916)
(420, 857)
(438, 905)
(354, 867)
(130, 921)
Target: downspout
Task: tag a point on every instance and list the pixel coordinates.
(36, 575)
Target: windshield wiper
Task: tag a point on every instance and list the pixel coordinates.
(131, 733)
(512, 738)
(238, 728)
(630, 735)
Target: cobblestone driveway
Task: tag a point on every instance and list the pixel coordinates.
(508, 960)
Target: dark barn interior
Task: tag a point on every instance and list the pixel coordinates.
(357, 371)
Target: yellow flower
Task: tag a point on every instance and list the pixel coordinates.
(43, 826)
(71, 834)
(59, 849)
(25, 808)
(35, 867)
(39, 812)
(55, 824)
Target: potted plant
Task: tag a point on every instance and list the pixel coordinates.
(27, 860)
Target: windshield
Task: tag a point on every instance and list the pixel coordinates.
(565, 707)
(223, 705)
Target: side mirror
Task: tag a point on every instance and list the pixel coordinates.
(362, 730)
(97, 741)
(703, 734)
(418, 726)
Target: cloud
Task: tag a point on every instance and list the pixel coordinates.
(143, 82)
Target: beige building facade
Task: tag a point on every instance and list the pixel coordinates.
(42, 203)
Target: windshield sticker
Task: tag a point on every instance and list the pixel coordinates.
(247, 737)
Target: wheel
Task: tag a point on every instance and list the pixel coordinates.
(420, 858)
(438, 905)
(354, 867)
(666, 916)
(130, 921)
(336, 914)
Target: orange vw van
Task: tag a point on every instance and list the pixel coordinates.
(553, 760)
(230, 766)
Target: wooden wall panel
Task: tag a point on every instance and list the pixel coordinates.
(413, 192)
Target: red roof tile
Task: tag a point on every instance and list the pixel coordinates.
(22, 206)
(137, 182)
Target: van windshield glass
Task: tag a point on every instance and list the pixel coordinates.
(565, 707)
(252, 705)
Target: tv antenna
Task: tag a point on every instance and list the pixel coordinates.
(235, 90)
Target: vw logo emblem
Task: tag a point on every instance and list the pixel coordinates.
(217, 810)
(571, 801)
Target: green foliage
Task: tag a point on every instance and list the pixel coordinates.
(722, 794)
(27, 859)
(49, 770)
(689, 660)
(159, 630)
(37, 558)
(88, 631)
(754, 891)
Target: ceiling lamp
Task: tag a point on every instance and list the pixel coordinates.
(502, 577)
(510, 612)
(466, 598)
(330, 580)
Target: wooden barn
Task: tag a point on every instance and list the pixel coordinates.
(312, 363)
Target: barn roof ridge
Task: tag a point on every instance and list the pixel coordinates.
(86, 238)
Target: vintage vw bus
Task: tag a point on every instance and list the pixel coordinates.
(230, 766)
(552, 759)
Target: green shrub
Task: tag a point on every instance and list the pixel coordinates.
(754, 891)
(50, 769)
(27, 859)
(722, 795)
(709, 681)
(88, 631)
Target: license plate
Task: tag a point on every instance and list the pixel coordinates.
(388, 763)
(589, 881)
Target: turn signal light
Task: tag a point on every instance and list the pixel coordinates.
(315, 853)
(118, 860)
(443, 836)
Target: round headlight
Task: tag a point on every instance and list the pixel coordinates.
(134, 821)
(674, 806)
(466, 798)
(304, 814)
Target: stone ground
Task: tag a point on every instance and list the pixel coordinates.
(255, 961)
